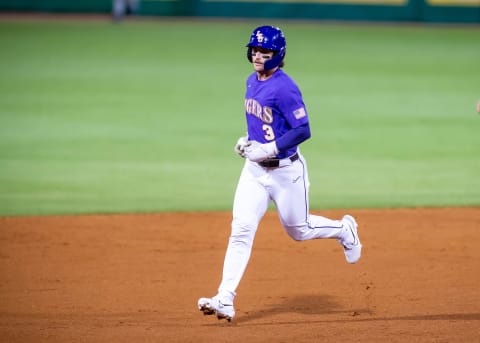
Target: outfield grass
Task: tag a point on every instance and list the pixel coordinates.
(98, 117)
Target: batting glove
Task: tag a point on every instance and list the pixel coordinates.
(239, 148)
(257, 152)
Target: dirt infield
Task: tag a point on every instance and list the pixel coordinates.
(136, 278)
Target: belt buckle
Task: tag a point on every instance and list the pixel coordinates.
(270, 163)
(275, 162)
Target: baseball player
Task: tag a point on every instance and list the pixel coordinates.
(274, 170)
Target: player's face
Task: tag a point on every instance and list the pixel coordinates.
(259, 57)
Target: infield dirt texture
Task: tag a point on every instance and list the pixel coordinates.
(137, 278)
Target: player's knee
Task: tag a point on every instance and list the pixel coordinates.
(297, 233)
(242, 232)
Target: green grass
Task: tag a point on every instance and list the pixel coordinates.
(139, 117)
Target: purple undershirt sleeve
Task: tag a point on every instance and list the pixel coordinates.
(293, 137)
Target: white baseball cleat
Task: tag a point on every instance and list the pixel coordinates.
(351, 245)
(214, 305)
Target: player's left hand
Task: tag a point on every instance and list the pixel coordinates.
(257, 152)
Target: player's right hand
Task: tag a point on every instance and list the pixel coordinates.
(240, 146)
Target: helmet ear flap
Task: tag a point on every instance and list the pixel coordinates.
(275, 60)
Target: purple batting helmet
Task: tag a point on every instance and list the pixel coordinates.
(271, 38)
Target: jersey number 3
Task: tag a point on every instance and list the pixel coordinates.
(269, 134)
